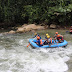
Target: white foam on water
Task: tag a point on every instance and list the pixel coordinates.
(38, 64)
(2, 52)
(22, 59)
(21, 42)
(1, 34)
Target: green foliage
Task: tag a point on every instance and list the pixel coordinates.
(30, 11)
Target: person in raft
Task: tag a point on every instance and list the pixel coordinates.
(46, 36)
(55, 37)
(39, 41)
(48, 40)
(71, 28)
(58, 37)
(45, 42)
(36, 35)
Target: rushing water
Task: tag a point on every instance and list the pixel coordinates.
(16, 57)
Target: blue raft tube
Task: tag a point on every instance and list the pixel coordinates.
(53, 45)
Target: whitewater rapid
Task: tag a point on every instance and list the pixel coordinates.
(16, 57)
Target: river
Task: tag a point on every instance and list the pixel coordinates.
(15, 56)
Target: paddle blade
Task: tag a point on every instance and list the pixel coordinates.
(28, 44)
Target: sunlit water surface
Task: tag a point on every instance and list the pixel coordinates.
(16, 57)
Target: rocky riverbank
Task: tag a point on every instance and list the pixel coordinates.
(30, 27)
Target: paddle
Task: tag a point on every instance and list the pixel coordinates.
(29, 43)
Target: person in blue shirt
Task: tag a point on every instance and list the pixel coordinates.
(39, 41)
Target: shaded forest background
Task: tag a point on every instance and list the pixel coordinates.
(18, 12)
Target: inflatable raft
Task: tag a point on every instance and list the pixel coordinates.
(70, 31)
(53, 45)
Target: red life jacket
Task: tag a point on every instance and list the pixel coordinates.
(60, 37)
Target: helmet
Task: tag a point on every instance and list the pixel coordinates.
(38, 37)
(58, 35)
(35, 33)
(48, 36)
(56, 32)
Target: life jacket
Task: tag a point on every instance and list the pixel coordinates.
(50, 40)
(38, 37)
(60, 37)
(39, 41)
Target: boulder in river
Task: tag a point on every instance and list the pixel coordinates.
(29, 27)
(53, 26)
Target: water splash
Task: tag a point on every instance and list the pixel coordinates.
(18, 58)
(21, 42)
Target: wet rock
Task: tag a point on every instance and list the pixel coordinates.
(26, 28)
(24, 25)
(20, 30)
(29, 27)
(11, 32)
(53, 26)
(46, 26)
(40, 27)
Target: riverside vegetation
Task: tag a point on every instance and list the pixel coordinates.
(18, 12)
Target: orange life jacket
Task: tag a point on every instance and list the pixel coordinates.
(38, 37)
(51, 40)
(41, 41)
